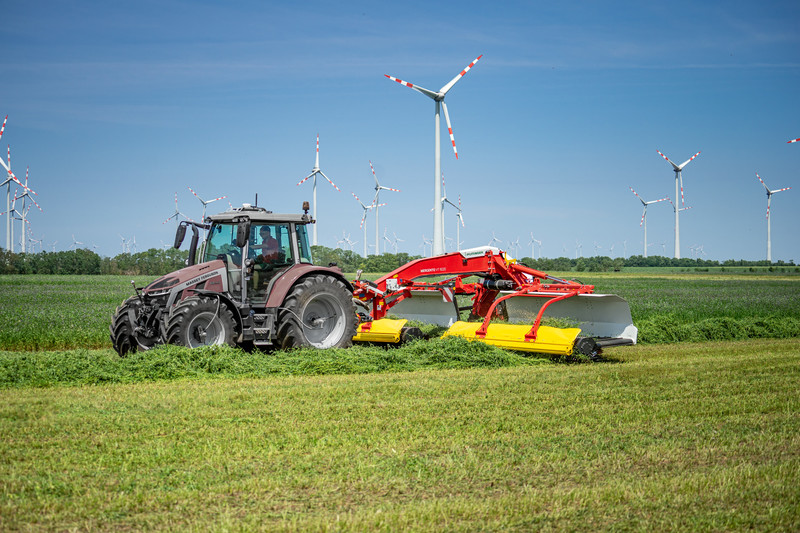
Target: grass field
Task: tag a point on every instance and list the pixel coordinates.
(690, 437)
(442, 435)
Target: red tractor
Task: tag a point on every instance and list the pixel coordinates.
(253, 286)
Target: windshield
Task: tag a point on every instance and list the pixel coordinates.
(222, 241)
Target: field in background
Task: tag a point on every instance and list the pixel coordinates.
(62, 312)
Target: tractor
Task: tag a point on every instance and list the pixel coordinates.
(254, 285)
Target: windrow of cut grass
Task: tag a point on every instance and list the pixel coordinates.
(82, 367)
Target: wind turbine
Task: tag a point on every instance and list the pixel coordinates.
(578, 248)
(7, 182)
(533, 247)
(75, 242)
(177, 213)
(378, 189)
(643, 222)
(460, 217)
(493, 240)
(438, 98)
(425, 243)
(770, 192)
(205, 202)
(24, 213)
(386, 239)
(314, 172)
(395, 241)
(366, 208)
(678, 180)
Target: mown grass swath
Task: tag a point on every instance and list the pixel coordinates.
(692, 437)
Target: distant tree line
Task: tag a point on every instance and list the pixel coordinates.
(83, 261)
(156, 262)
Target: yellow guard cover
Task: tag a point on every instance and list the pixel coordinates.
(548, 340)
(383, 330)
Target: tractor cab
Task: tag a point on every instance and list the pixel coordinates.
(257, 247)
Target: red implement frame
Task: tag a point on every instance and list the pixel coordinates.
(491, 265)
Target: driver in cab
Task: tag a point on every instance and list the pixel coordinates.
(269, 247)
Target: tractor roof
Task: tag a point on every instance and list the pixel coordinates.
(259, 214)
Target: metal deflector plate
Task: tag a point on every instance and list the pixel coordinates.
(429, 307)
(597, 315)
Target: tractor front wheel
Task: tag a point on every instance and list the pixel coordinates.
(318, 312)
(122, 326)
(201, 321)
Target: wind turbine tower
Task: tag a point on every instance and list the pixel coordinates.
(678, 182)
(770, 192)
(643, 222)
(438, 98)
(314, 172)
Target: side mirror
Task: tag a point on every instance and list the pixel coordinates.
(242, 233)
(179, 235)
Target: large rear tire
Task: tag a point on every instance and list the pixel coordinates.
(318, 312)
(122, 327)
(201, 321)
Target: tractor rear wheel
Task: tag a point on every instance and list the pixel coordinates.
(201, 321)
(318, 312)
(122, 326)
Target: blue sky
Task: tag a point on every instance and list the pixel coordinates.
(117, 106)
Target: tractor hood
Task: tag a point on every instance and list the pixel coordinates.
(185, 276)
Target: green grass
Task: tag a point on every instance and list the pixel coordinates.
(52, 312)
(692, 437)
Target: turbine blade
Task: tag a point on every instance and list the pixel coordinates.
(460, 75)
(389, 189)
(773, 192)
(449, 130)
(683, 202)
(676, 167)
(302, 181)
(764, 184)
(329, 181)
(358, 199)
(687, 161)
(316, 161)
(373, 174)
(423, 90)
(637, 195)
(2, 129)
(643, 215)
(792, 141)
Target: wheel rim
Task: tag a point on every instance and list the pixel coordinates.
(205, 329)
(323, 321)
